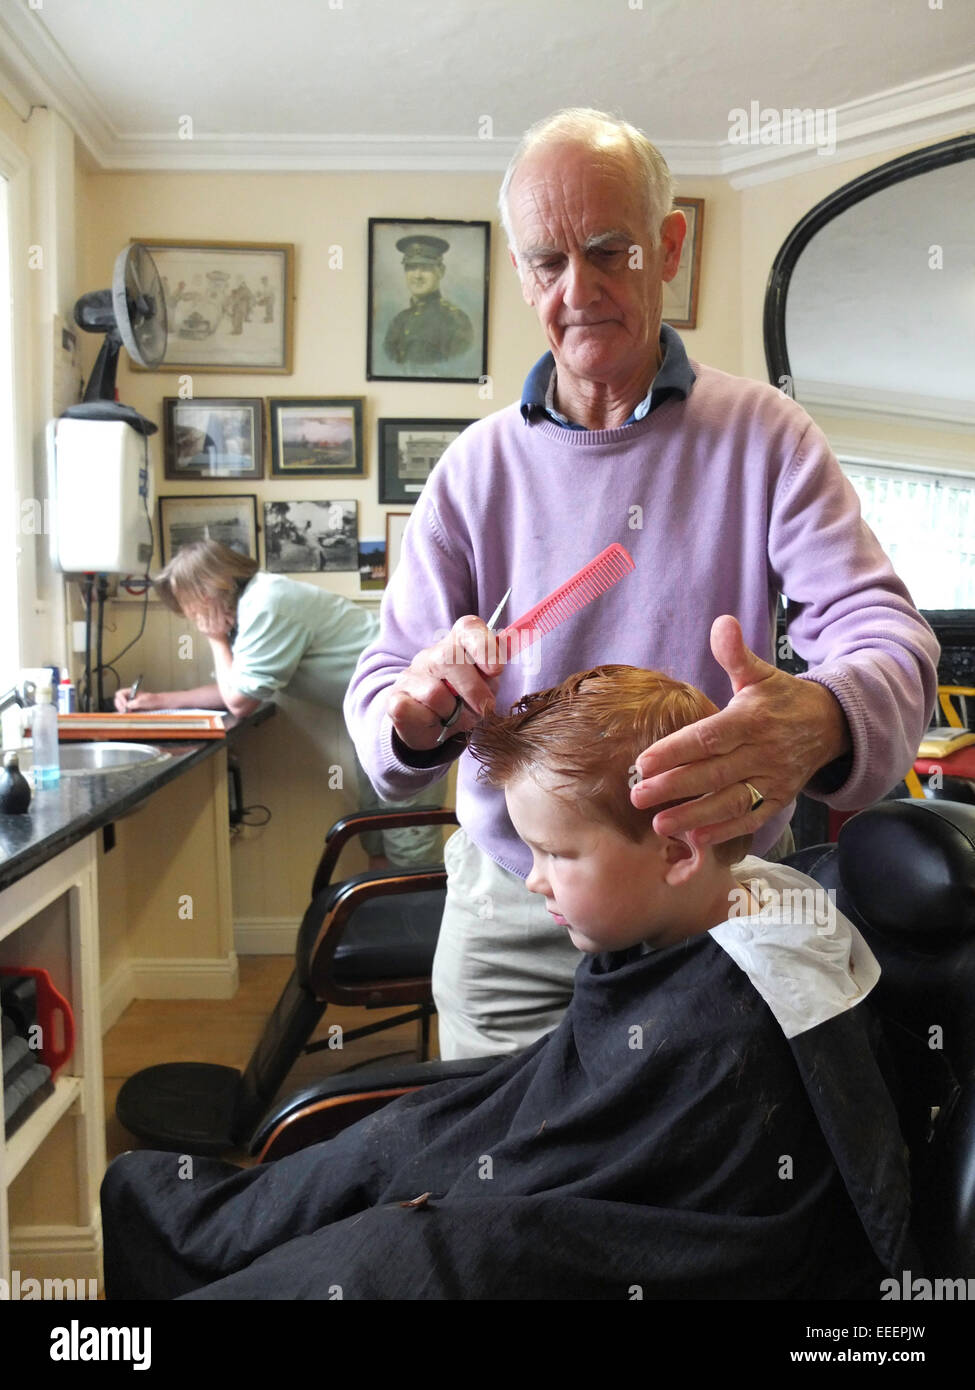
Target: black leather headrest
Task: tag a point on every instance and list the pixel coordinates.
(909, 866)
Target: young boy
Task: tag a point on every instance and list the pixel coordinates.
(708, 1120)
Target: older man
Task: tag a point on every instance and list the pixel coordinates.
(725, 493)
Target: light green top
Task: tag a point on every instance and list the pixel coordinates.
(296, 637)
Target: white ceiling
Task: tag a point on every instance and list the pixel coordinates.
(409, 83)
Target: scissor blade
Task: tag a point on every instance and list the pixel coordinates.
(498, 611)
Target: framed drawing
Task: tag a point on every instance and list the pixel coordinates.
(395, 526)
(428, 300)
(213, 438)
(408, 451)
(231, 519)
(300, 536)
(319, 438)
(680, 294)
(229, 305)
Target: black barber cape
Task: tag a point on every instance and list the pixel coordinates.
(665, 1141)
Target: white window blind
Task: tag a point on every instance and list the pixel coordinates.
(926, 524)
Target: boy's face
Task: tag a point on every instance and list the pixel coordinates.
(606, 890)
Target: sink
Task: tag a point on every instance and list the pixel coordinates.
(79, 759)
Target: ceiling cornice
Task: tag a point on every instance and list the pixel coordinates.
(34, 71)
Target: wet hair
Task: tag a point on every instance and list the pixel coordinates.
(602, 133)
(205, 572)
(587, 734)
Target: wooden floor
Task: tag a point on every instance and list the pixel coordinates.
(152, 1031)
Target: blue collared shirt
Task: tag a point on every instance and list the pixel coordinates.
(674, 378)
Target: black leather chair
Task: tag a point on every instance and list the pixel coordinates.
(367, 940)
(904, 872)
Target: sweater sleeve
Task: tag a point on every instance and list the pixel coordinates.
(854, 623)
(431, 588)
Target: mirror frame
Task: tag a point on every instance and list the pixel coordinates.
(954, 627)
(906, 166)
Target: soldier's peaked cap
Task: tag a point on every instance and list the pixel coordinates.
(422, 250)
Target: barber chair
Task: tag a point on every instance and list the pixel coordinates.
(904, 872)
(367, 940)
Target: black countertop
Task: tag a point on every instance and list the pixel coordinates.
(61, 815)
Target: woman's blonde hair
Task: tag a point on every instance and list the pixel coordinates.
(205, 572)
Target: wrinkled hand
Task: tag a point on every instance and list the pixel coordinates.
(776, 732)
(464, 664)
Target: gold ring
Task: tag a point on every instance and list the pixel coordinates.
(757, 798)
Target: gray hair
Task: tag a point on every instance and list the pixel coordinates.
(582, 125)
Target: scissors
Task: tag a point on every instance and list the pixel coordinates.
(452, 718)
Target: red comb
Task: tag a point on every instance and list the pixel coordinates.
(593, 579)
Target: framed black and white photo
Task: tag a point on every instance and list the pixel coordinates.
(680, 294)
(408, 451)
(428, 300)
(231, 519)
(218, 438)
(301, 536)
(229, 305)
(396, 523)
(316, 438)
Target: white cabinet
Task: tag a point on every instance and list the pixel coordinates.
(51, 1167)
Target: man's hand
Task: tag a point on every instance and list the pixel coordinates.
(775, 733)
(463, 664)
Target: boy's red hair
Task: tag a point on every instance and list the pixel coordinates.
(589, 731)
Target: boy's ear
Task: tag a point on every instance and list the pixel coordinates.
(683, 860)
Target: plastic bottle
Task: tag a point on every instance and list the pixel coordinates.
(67, 694)
(44, 733)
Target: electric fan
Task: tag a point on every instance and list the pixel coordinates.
(132, 312)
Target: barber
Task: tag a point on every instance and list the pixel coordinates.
(726, 494)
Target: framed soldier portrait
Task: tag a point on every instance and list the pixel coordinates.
(428, 300)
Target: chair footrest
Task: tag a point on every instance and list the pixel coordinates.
(185, 1106)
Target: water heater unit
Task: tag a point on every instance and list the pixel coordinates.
(102, 507)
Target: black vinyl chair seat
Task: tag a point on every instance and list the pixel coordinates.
(378, 945)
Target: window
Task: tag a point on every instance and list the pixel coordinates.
(925, 521)
(9, 507)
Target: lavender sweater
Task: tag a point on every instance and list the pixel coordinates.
(723, 500)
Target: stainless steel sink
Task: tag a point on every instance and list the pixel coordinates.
(80, 759)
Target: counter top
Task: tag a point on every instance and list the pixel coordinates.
(61, 815)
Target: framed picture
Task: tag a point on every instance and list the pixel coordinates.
(680, 294)
(319, 438)
(408, 450)
(229, 305)
(218, 438)
(231, 519)
(428, 300)
(300, 536)
(395, 526)
(372, 562)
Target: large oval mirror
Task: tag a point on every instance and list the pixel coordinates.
(870, 323)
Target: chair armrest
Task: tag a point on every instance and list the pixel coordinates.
(320, 1111)
(360, 823)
